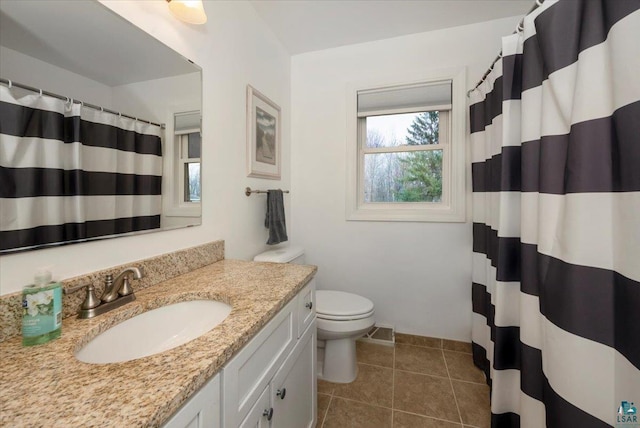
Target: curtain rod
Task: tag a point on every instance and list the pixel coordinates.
(10, 84)
(537, 4)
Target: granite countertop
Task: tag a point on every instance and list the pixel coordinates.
(46, 386)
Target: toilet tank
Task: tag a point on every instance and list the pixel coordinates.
(290, 254)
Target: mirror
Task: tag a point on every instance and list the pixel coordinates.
(111, 146)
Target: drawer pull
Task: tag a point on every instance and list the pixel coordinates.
(308, 305)
(281, 393)
(268, 413)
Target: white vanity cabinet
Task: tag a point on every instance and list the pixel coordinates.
(289, 400)
(202, 410)
(261, 413)
(270, 383)
(280, 357)
(293, 388)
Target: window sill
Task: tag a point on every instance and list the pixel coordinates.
(422, 213)
(441, 214)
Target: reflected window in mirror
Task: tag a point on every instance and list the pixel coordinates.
(190, 160)
(188, 144)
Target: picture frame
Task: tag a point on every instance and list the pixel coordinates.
(263, 136)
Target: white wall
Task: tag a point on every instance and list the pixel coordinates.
(158, 99)
(234, 48)
(417, 274)
(31, 71)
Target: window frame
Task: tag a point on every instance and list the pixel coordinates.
(177, 207)
(182, 145)
(452, 206)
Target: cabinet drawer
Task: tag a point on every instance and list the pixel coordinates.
(249, 372)
(306, 306)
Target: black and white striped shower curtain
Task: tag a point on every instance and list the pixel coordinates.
(555, 134)
(70, 173)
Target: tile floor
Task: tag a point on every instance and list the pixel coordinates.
(420, 383)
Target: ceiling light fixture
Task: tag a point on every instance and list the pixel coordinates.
(190, 11)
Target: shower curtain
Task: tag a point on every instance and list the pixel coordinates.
(72, 173)
(555, 135)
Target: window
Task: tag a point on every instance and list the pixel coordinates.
(403, 156)
(406, 159)
(188, 144)
(189, 148)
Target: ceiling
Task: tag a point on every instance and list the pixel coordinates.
(304, 26)
(88, 39)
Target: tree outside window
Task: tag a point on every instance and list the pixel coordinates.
(403, 158)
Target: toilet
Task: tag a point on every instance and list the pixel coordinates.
(341, 319)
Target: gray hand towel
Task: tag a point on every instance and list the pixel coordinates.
(274, 221)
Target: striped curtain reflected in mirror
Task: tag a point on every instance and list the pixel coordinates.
(555, 135)
(71, 173)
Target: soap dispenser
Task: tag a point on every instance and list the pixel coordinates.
(41, 310)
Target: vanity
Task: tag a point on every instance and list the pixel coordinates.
(270, 382)
(257, 366)
(254, 369)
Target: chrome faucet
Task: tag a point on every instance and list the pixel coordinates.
(117, 292)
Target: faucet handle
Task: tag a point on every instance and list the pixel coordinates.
(90, 300)
(125, 289)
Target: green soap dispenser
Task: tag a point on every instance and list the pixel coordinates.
(41, 310)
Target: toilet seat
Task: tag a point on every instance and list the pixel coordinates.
(341, 306)
(343, 317)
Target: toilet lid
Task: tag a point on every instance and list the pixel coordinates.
(341, 305)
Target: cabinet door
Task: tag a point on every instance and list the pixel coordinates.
(293, 388)
(201, 411)
(306, 306)
(261, 413)
(247, 374)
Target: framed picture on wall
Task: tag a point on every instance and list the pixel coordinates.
(263, 136)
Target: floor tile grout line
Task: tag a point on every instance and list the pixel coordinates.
(457, 352)
(362, 402)
(393, 383)
(434, 347)
(453, 391)
(422, 374)
(469, 381)
(434, 375)
(430, 417)
(392, 408)
(375, 365)
(418, 346)
(326, 412)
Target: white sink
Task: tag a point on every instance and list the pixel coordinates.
(154, 331)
